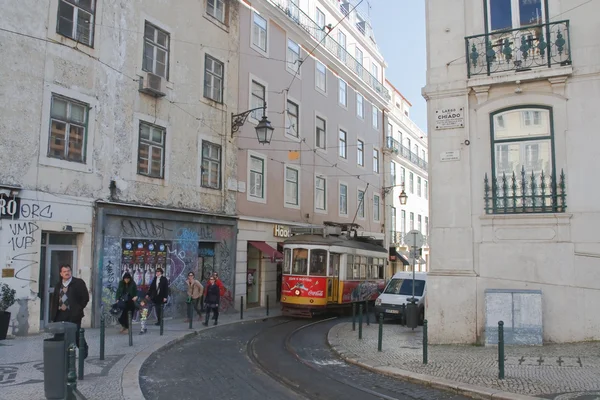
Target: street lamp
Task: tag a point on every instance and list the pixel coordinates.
(403, 197)
(264, 130)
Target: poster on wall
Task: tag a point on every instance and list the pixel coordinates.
(141, 258)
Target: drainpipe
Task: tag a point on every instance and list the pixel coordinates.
(98, 255)
(384, 196)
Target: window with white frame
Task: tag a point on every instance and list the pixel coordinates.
(375, 72)
(216, 9)
(257, 176)
(419, 186)
(376, 161)
(392, 173)
(213, 79)
(343, 93)
(403, 175)
(320, 21)
(423, 155)
(342, 48)
(419, 223)
(360, 153)
(151, 150)
(394, 221)
(411, 182)
(403, 222)
(412, 221)
(320, 195)
(291, 186)
(343, 144)
(156, 51)
(360, 106)
(375, 117)
(361, 203)
(513, 14)
(68, 129)
(426, 189)
(390, 130)
(211, 165)
(376, 205)
(259, 32)
(293, 113)
(76, 20)
(293, 56)
(321, 133)
(358, 54)
(320, 76)
(343, 199)
(426, 226)
(258, 99)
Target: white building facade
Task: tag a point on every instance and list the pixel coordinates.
(513, 149)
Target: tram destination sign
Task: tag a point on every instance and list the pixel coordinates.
(449, 118)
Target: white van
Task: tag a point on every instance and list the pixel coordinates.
(398, 292)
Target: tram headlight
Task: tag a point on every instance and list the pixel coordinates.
(378, 302)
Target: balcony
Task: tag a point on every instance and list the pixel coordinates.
(327, 42)
(523, 49)
(525, 192)
(395, 146)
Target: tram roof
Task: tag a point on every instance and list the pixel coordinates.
(335, 241)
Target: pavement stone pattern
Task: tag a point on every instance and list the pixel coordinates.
(570, 370)
(21, 358)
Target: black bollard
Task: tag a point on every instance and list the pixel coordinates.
(242, 307)
(130, 330)
(360, 312)
(403, 315)
(425, 342)
(102, 328)
(162, 318)
(500, 350)
(71, 375)
(190, 314)
(380, 337)
(267, 305)
(367, 312)
(82, 352)
(353, 317)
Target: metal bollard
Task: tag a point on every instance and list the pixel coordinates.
(190, 314)
(71, 375)
(130, 330)
(403, 316)
(162, 318)
(360, 310)
(425, 342)
(367, 312)
(102, 328)
(242, 307)
(380, 337)
(82, 352)
(353, 317)
(500, 350)
(267, 305)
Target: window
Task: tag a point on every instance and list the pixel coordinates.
(320, 21)
(426, 189)
(257, 174)
(213, 79)
(403, 221)
(211, 165)
(68, 129)
(320, 76)
(293, 56)
(360, 153)
(375, 73)
(393, 173)
(394, 221)
(390, 130)
(376, 161)
(343, 199)
(321, 133)
(216, 9)
(151, 150)
(342, 48)
(411, 182)
(412, 221)
(318, 262)
(258, 99)
(320, 199)
(408, 143)
(361, 204)
(291, 186)
(300, 262)
(375, 117)
(419, 223)
(426, 225)
(76, 20)
(508, 14)
(156, 51)
(292, 127)
(423, 155)
(343, 144)
(403, 175)
(343, 95)
(419, 186)
(259, 32)
(358, 54)
(360, 107)
(376, 207)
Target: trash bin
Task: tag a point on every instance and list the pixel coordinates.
(412, 314)
(55, 358)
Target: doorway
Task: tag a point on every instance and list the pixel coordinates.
(253, 277)
(57, 249)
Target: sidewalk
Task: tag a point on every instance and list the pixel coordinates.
(561, 372)
(115, 378)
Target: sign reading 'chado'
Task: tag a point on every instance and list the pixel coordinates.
(449, 118)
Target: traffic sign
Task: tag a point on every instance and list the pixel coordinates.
(414, 238)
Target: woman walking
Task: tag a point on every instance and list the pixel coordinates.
(211, 301)
(127, 292)
(195, 291)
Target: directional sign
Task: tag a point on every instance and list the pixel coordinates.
(414, 238)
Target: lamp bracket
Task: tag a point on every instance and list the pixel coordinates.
(237, 120)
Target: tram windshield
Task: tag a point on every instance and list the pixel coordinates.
(318, 262)
(300, 262)
(404, 287)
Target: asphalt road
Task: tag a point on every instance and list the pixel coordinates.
(278, 358)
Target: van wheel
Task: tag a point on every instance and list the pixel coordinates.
(422, 317)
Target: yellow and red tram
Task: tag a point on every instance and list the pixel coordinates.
(330, 268)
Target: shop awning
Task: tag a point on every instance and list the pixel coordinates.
(397, 256)
(267, 251)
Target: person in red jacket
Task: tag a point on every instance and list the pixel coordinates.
(219, 283)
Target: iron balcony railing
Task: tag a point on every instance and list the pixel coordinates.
(398, 148)
(397, 239)
(525, 192)
(521, 49)
(318, 33)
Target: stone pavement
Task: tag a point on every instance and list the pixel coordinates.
(553, 371)
(114, 378)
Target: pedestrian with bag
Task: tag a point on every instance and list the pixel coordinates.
(126, 298)
(69, 299)
(211, 301)
(195, 290)
(158, 293)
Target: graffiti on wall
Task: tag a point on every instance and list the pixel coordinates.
(143, 228)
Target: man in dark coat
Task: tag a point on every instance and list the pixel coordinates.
(158, 292)
(69, 299)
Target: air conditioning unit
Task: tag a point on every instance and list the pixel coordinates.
(151, 84)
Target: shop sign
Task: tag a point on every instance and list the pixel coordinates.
(449, 118)
(10, 207)
(282, 231)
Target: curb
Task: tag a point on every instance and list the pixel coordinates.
(130, 380)
(464, 389)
